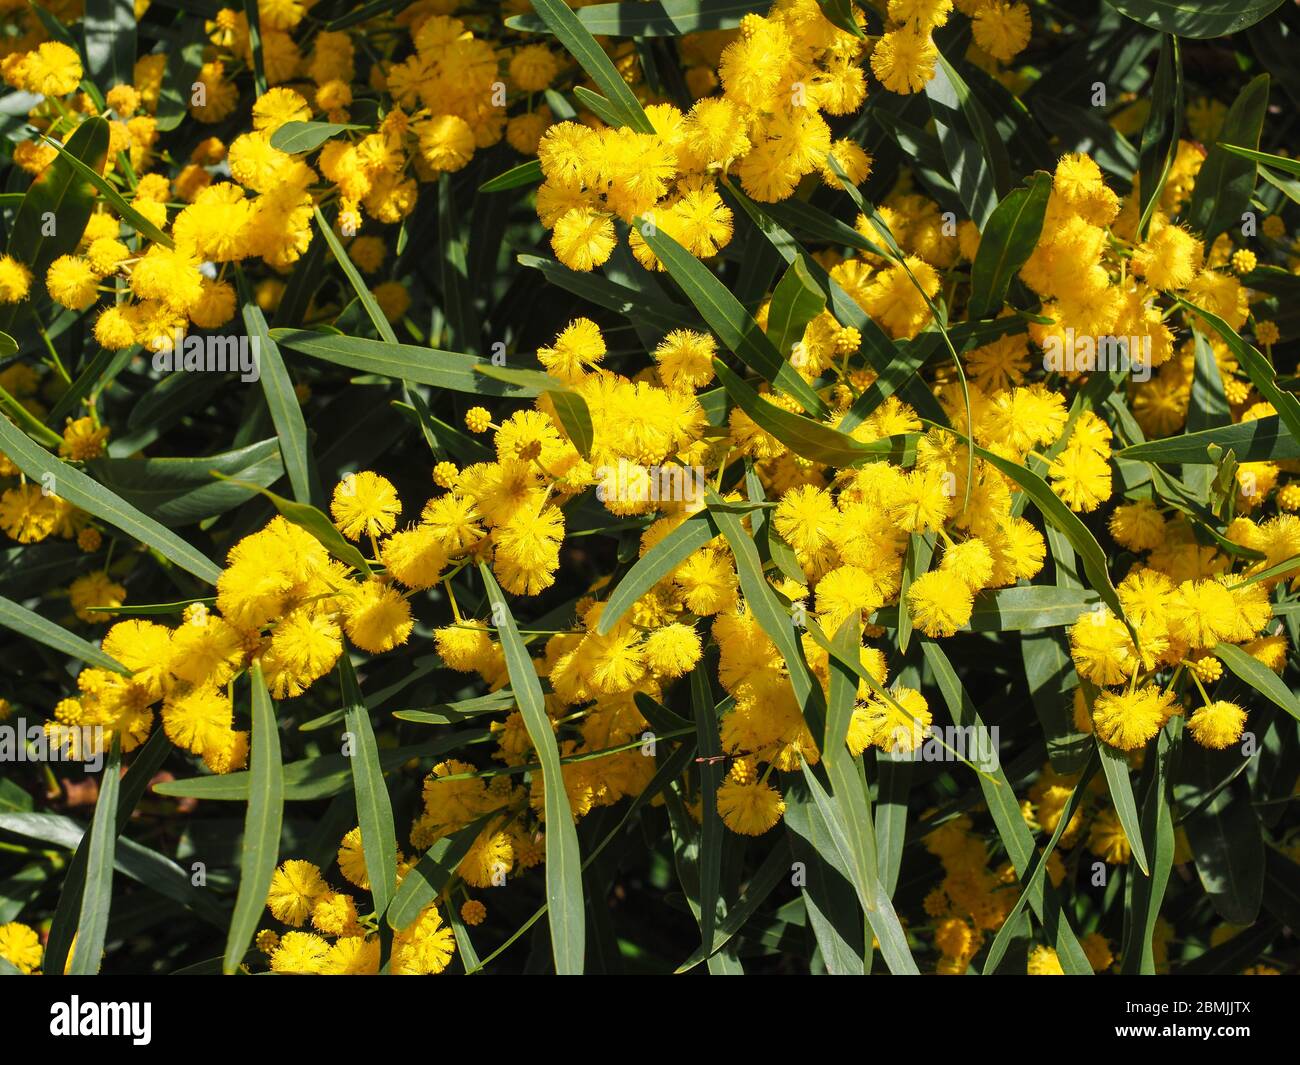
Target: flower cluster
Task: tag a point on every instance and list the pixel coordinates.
(853, 392)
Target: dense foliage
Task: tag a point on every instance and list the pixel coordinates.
(774, 487)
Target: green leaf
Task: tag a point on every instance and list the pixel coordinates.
(185, 58)
(319, 777)
(316, 522)
(709, 744)
(97, 895)
(841, 13)
(432, 873)
(281, 399)
(1255, 674)
(367, 298)
(796, 301)
(654, 566)
(374, 808)
(580, 44)
(1008, 240)
(260, 850)
(1196, 18)
(656, 18)
(76, 160)
(775, 620)
(1278, 162)
(1144, 894)
(1056, 512)
(1000, 798)
(775, 868)
(637, 306)
(461, 710)
(1022, 608)
(1226, 181)
(109, 27)
(75, 487)
(1160, 134)
(732, 323)
(834, 914)
(405, 362)
(1050, 675)
(563, 862)
(32, 626)
(852, 806)
(259, 72)
(1258, 369)
(529, 173)
(1034, 875)
(687, 846)
(1209, 405)
(63, 925)
(1115, 764)
(575, 419)
(60, 191)
(894, 778)
(916, 561)
(1261, 440)
(599, 106)
(669, 770)
(181, 491)
(364, 13)
(803, 436)
(27, 421)
(976, 156)
(453, 270)
(299, 137)
(1224, 834)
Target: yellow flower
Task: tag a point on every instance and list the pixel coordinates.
(749, 808)
(365, 504)
(296, 888)
(20, 946)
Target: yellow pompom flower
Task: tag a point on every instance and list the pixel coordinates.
(365, 504)
(377, 618)
(15, 280)
(1217, 724)
(940, 602)
(1128, 720)
(53, 69)
(578, 349)
(1002, 29)
(904, 60)
(446, 143)
(82, 439)
(72, 282)
(533, 68)
(277, 106)
(1043, 961)
(296, 887)
(20, 946)
(673, 650)
(749, 809)
(95, 590)
(425, 947)
(583, 238)
(301, 953)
